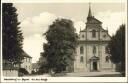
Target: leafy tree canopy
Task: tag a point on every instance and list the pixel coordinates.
(61, 43)
(117, 47)
(11, 34)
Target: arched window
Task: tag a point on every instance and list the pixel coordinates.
(93, 33)
(81, 50)
(107, 58)
(81, 59)
(94, 49)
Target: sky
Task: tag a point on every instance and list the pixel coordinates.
(36, 17)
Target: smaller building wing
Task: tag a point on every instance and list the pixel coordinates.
(35, 66)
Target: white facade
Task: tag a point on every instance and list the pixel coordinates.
(27, 64)
(92, 53)
(10, 69)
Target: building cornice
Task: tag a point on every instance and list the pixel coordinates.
(93, 42)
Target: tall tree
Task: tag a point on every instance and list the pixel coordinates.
(11, 34)
(61, 43)
(117, 47)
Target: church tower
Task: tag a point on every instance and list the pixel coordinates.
(91, 52)
(89, 13)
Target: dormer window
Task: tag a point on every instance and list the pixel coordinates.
(93, 33)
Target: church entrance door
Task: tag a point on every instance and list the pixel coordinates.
(95, 66)
(94, 63)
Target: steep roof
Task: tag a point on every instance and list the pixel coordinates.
(24, 54)
(7, 65)
(6, 61)
(93, 20)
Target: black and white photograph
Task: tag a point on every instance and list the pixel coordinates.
(64, 39)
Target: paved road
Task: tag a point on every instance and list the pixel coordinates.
(83, 74)
(94, 74)
(44, 75)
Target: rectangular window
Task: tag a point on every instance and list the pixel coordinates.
(82, 36)
(106, 50)
(94, 49)
(75, 51)
(81, 59)
(93, 33)
(81, 50)
(29, 59)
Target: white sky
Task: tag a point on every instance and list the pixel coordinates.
(35, 18)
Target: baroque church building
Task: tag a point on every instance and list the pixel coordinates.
(91, 52)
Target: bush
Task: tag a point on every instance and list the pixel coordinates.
(33, 72)
(23, 71)
(43, 70)
(59, 74)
